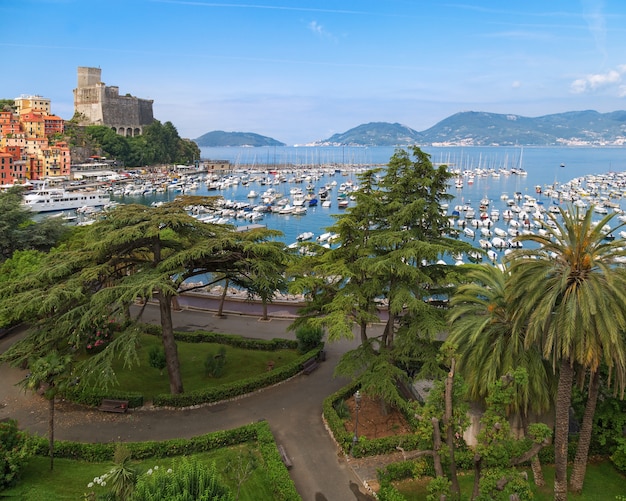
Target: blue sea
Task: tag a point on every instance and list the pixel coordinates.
(544, 167)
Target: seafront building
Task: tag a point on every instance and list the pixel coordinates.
(28, 149)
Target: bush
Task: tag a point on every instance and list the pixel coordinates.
(188, 478)
(342, 410)
(214, 364)
(156, 358)
(16, 447)
(619, 456)
(308, 337)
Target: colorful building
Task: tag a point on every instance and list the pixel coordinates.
(26, 149)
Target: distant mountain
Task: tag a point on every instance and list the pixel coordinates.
(221, 138)
(473, 128)
(375, 134)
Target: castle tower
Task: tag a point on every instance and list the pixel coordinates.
(99, 104)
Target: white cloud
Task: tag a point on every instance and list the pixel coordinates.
(517, 84)
(319, 30)
(595, 81)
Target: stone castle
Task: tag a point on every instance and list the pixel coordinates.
(100, 104)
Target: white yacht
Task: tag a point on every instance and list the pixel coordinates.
(58, 199)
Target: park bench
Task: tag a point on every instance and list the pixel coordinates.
(310, 365)
(110, 405)
(283, 455)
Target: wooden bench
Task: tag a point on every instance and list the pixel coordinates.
(110, 405)
(310, 365)
(283, 455)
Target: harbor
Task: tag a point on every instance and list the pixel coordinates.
(498, 194)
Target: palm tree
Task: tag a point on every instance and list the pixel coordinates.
(570, 294)
(488, 347)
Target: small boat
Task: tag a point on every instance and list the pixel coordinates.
(468, 232)
(307, 235)
(313, 202)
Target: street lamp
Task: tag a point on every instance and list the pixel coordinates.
(355, 438)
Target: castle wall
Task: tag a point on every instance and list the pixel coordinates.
(103, 105)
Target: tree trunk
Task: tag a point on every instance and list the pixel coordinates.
(584, 439)
(478, 463)
(561, 424)
(363, 326)
(264, 317)
(535, 465)
(220, 309)
(169, 345)
(447, 421)
(388, 332)
(437, 448)
(51, 431)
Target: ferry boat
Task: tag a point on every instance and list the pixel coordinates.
(58, 199)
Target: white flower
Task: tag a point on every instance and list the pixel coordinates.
(169, 470)
(89, 485)
(104, 483)
(96, 479)
(156, 468)
(149, 472)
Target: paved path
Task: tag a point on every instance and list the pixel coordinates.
(293, 410)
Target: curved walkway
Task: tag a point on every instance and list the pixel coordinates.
(293, 410)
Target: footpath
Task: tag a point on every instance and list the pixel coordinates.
(293, 409)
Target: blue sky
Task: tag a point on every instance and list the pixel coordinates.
(300, 71)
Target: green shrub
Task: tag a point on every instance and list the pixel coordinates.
(308, 337)
(188, 478)
(342, 410)
(619, 456)
(156, 358)
(16, 447)
(214, 364)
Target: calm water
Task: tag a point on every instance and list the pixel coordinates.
(544, 166)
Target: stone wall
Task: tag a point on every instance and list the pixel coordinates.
(103, 105)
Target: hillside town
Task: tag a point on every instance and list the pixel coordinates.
(31, 145)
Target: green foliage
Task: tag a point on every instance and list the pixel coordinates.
(120, 479)
(215, 364)
(227, 339)
(437, 488)
(156, 358)
(342, 409)
(309, 336)
(515, 482)
(619, 456)
(16, 447)
(187, 479)
(159, 144)
(18, 231)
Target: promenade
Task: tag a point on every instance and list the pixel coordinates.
(293, 410)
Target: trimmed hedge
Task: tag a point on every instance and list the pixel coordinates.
(283, 486)
(237, 388)
(364, 446)
(228, 339)
(93, 396)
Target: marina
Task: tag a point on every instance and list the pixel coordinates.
(494, 201)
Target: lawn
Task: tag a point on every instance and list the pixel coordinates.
(601, 477)
(69, 478)
(240, 364)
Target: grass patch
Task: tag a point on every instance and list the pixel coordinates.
(240, 364)
(69, 478)
(601, 477)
